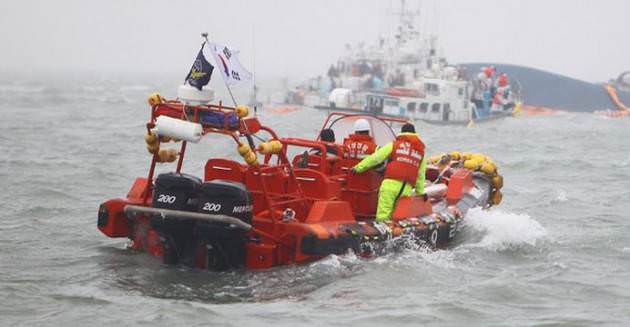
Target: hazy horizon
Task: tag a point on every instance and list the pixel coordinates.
(300, 39)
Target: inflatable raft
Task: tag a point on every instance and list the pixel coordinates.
(287, 201)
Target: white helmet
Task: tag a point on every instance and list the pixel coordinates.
(361, 125)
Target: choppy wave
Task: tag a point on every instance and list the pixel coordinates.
(503, 230)
(554, 252)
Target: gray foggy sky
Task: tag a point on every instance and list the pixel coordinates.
(584, 39)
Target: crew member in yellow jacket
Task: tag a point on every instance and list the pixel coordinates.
(405, 169)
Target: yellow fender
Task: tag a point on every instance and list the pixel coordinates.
(172, 155)
(167, 155)
(496, 198)
(248, 155)
(251, 159)
(152, 148)
(271, 147)
(472, 164)
(478, 156)
(476, 162)
(154, 99)
(150, 138)
(243, 149)
(489, 168)
(497, 182)
(242, 111)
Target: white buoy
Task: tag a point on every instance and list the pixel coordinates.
(177, 128)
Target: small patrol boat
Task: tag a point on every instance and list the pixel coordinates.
(286, 201)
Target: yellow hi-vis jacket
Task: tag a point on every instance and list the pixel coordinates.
(391, 189)
(380, 155)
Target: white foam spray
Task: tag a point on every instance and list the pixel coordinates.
(503, 230)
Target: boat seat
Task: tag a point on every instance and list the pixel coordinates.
(275, 180)
(315, 185)
(344, 165)
(314, 161)
(361, 191)
(224, 169)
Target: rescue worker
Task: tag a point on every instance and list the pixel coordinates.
(327, 135)
(360, 144)
(332, 151)
(404, 171)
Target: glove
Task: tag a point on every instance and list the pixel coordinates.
(383, 229)
(354, 170)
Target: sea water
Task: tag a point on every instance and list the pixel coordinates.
(555, 252)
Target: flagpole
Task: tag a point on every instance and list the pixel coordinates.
(216, 61)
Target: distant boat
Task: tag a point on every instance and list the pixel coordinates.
(441, 96)
(547, 90)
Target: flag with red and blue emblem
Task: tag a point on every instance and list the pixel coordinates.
(229, 65)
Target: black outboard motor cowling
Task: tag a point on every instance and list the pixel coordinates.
(226, 198)
(225, 243)
(183, 238)
(176, 191)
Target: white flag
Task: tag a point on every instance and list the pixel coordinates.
(229, 65)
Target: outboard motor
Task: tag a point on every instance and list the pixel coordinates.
(176, 191)
(225, 243)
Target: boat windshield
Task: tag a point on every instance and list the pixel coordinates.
(380, 130)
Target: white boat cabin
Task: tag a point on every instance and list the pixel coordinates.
(444, 100)
(441, 100)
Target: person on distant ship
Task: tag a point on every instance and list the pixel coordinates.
(333, 72)
(360, 144)
(377, 83)
(397, 79)
(354, 70)
(491, 73)
(378, 71)
(487, 85)
(479, 87)
(405, 170)
(364, 68)
(502, 97)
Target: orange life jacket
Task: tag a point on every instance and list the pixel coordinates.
(359, 145)
(405, 159)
